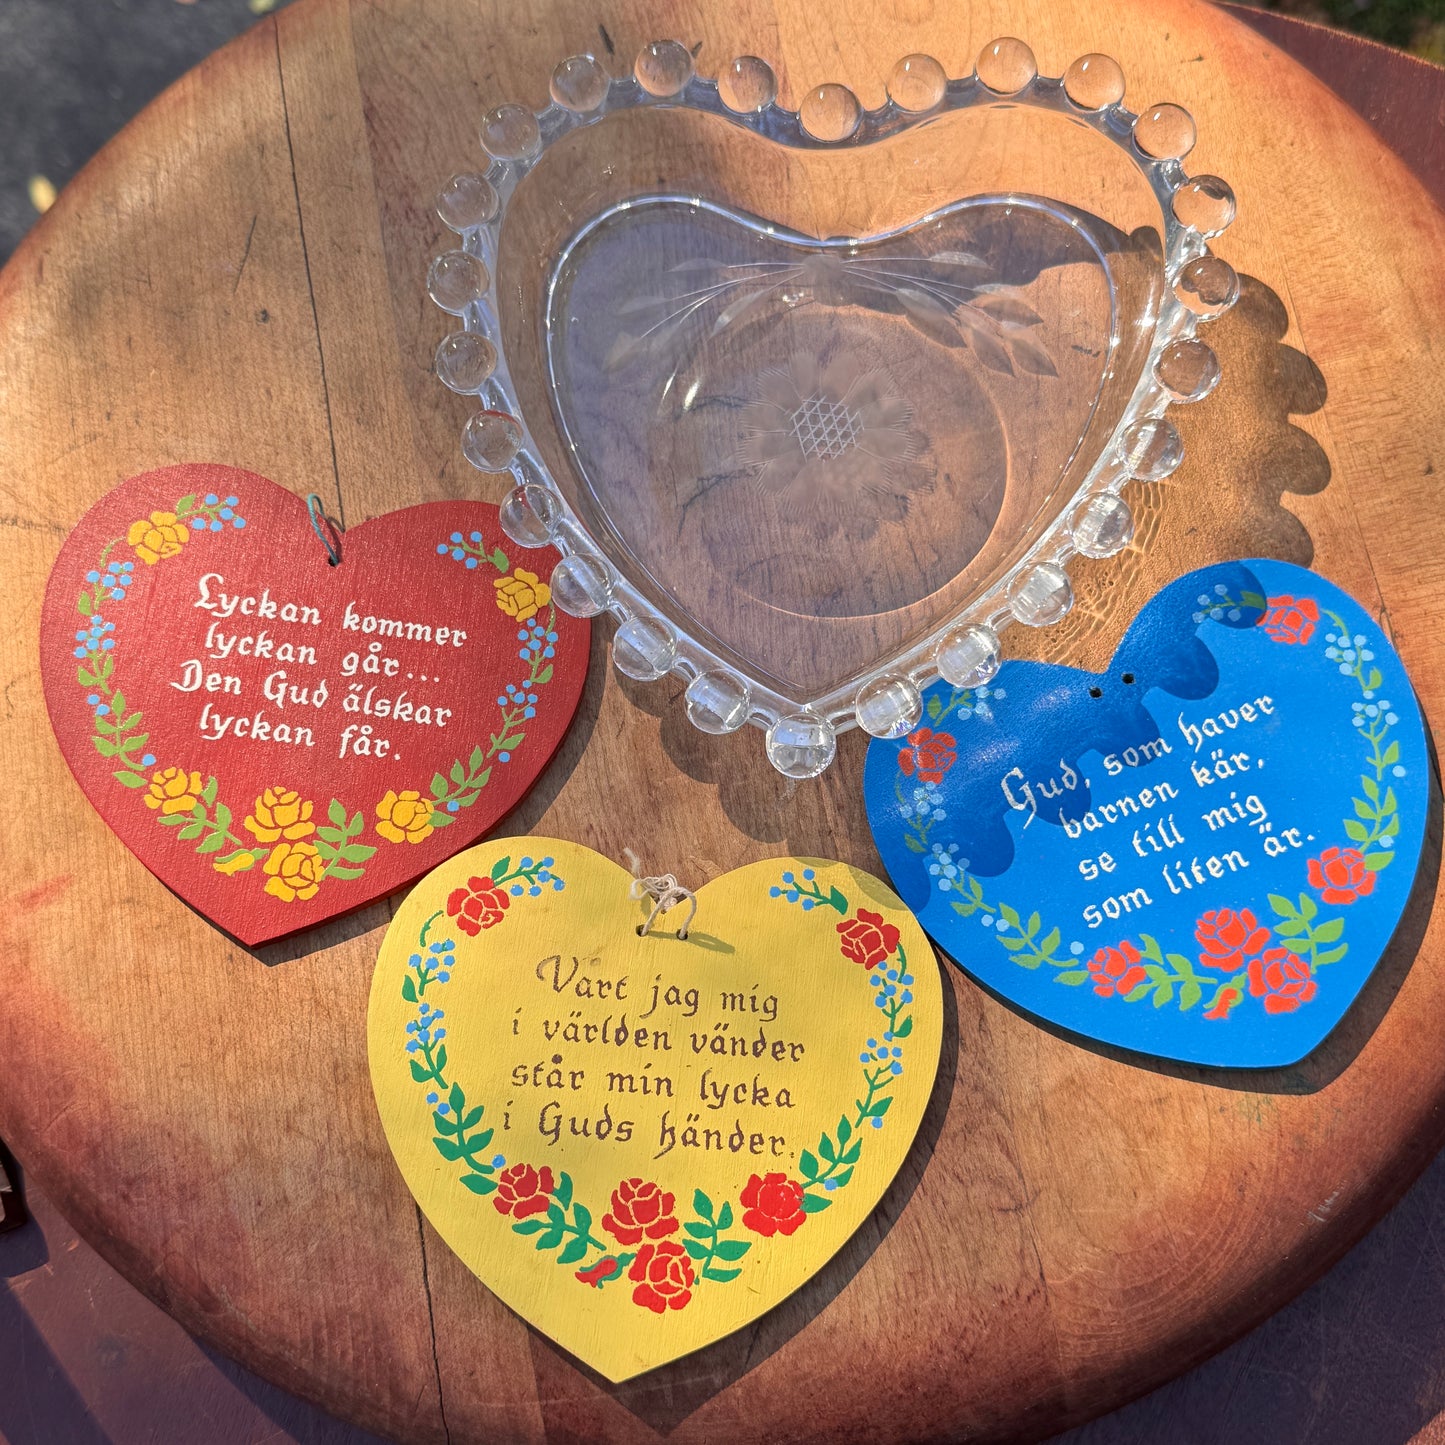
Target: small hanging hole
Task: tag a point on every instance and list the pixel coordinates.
(1096, 692)
(642, 930)
(1127, 679)
(682, 934)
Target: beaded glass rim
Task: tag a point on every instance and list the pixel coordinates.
(1095, 522)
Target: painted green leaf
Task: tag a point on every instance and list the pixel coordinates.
(83, 606)
(808, 1164)
(499, 868)
(563, 1192)
(479, 1183)
(903, 1029)
(720, 1276)
(438, 786)
(419, 1073)
(695, 1250)
(725, 1216)
(129, 780)
(825, 1148)
(448, 1148)
(701, 1204)
(1073, 976)
(699, 1231)
(815, 1203)
(732, 1249)
(574, 1252)
(550, 1240)
(529, 1226)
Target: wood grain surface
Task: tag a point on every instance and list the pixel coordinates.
(238, 278)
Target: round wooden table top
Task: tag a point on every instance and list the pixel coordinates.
(239, 278)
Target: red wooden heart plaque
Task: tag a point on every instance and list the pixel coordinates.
(280, 739)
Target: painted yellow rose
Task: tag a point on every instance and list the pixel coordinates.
(280, 813)
(404, 817)
(172, 790)
(161, 536)
(521, 594)
(294, 870)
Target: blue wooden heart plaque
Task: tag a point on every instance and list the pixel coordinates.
(1199, 854)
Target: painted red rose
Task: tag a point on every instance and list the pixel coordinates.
(929, 754)
(1291, 619)
(639, 1207)
(867, 939)
(1341, 876)
(1115, 972)
(523, 1190)
(1228, 938)
(1223, 1002)
(663, 1276)
(477, 906)
(1282, 979)
(772, 1204)
(606, 1268)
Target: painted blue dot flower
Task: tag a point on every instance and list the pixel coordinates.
(146, 761)
(92, 576)
(431, 1098)
(533, 891)
(457, 554)
(876, 1123)
(454, 806)
(504, 757)
(895, 1069)
(103, 710)
(456, 536)
(830, 1184)
(412, 1047)
(93, 698)
(474, 536)
(226, 514)
(557, 885)
(198, 524)
(787, 877)
(211, 499)
(517, 890)
(1076, 949)
(498, 1160)
(238, 522)
(808, 905)
(444, 1108)
(414, 961)
(471, 564)
(442, 549)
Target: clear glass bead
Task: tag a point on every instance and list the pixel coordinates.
(456, 279)
(801, 746)
(968, 656)
(528, 515)
(1102, 526)
(1041, 595)
(717, 702)
(1006, 66)
(1165, 132)
(747, 85)
(581, 585)
(917, 83)
(1207, 285)
(490, 440)
(1151, 449)
(1094, 82)
(579, 84)
(1187, 369)
(466, 201)
(510, 133)
(464, 361)
(643, 649)
(1206, 203)
(888, 707)
(663, 68)
(830, 113)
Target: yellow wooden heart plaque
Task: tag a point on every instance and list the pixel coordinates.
(642, 1143)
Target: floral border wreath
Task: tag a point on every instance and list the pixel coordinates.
(1276, 963)
(280, 821)
(642, 1217)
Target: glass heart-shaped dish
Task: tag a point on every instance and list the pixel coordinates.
(815, 402)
